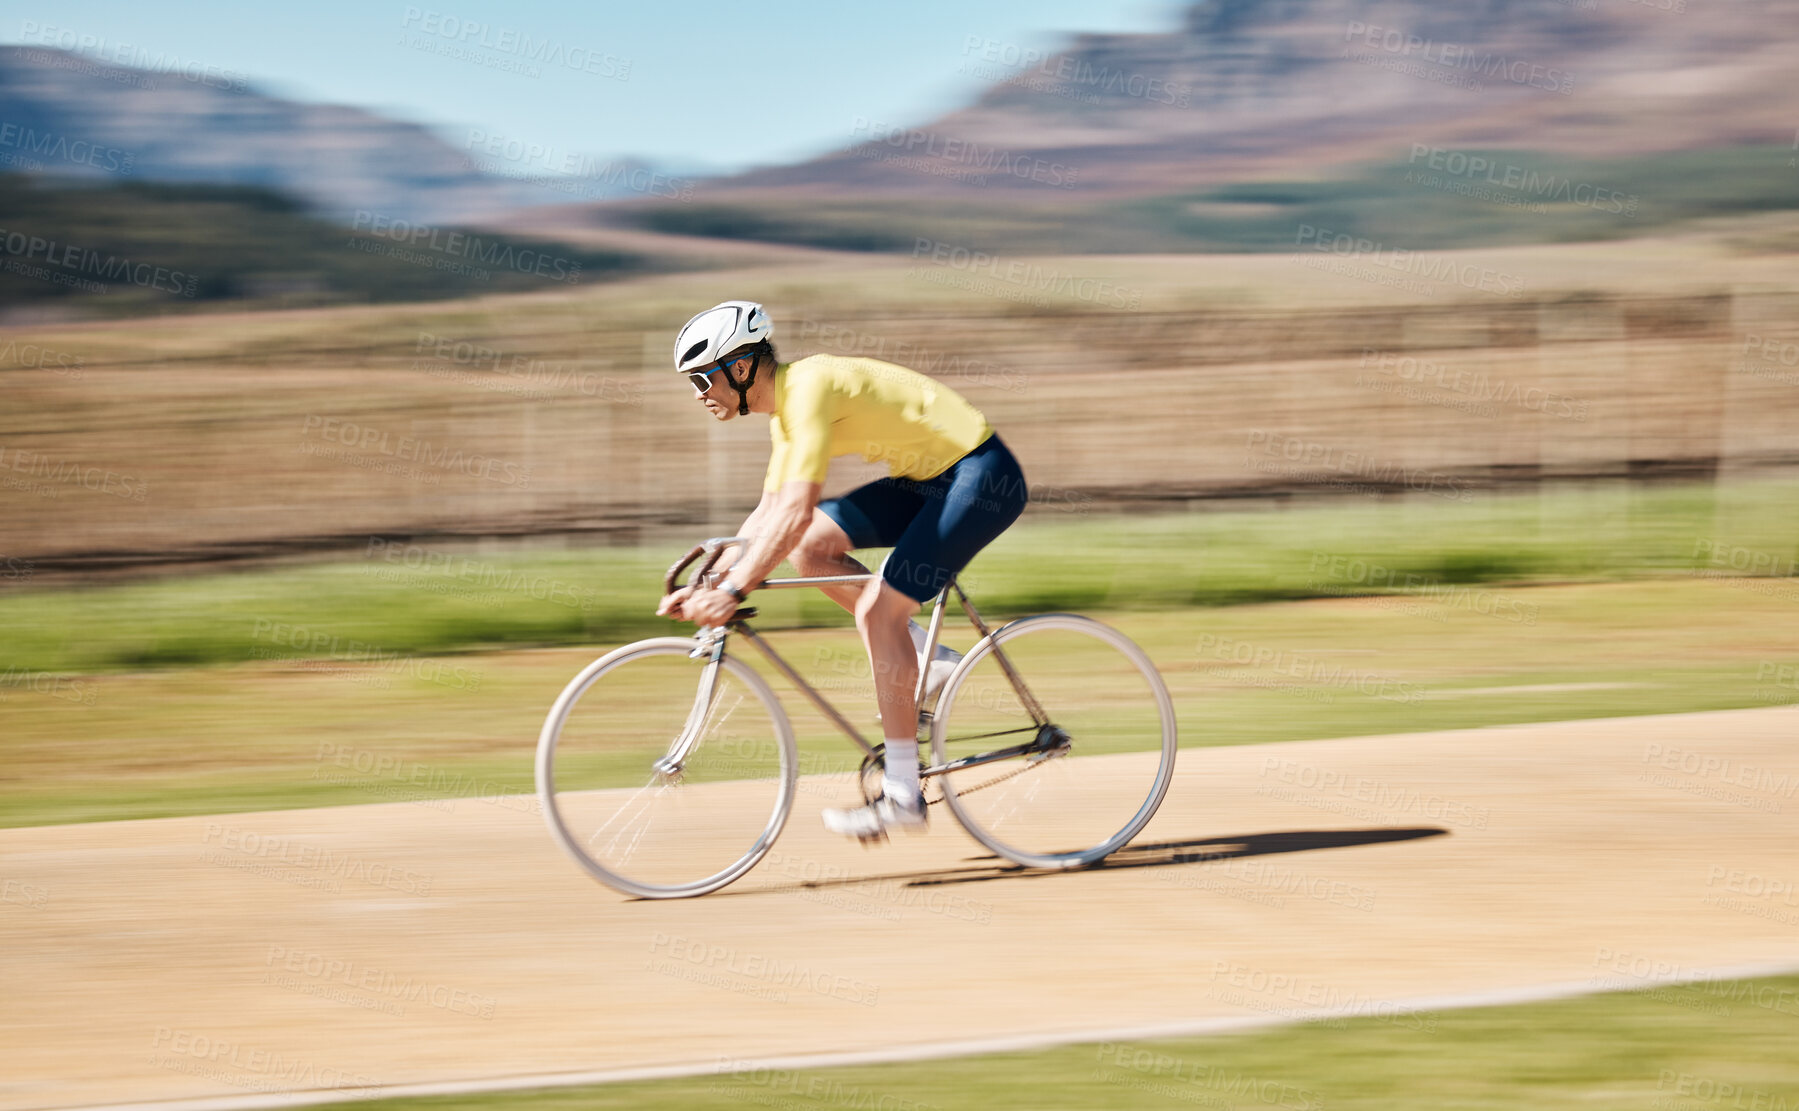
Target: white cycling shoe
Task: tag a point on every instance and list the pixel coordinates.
(871, 822)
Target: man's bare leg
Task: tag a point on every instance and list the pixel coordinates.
(881, 615)
(824, 550)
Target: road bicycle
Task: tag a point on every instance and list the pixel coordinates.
(667, 767)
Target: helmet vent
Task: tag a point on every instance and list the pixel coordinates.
(694, 350)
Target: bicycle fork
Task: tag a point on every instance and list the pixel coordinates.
(674, 760)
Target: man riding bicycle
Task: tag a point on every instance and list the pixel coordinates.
(952, 487)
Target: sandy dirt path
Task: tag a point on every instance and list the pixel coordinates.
(406, 943)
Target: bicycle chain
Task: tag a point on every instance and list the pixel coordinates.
(960, 791)
(994, 782)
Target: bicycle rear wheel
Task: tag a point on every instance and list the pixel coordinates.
(655, 789)
(1096, 771)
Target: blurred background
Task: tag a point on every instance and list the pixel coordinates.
(1456, 345)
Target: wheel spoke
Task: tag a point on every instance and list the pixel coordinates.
(1094, 800)
(677, 834)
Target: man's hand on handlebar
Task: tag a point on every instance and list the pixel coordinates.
(702, 607)
(673, 605)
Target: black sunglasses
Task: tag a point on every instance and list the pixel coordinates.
(702, 379)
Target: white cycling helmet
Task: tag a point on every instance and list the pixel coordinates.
(718, 331)
(721, 330)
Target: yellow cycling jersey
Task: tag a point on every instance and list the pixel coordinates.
(831, 405)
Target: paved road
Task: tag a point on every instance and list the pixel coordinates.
(408, 943)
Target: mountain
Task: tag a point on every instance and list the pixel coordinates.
(68, 114)
(1261, 89)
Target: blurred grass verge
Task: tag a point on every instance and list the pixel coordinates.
(1724, 1044)
(459, 731)
(396, 599)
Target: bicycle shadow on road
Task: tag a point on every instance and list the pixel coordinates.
(1151, 854)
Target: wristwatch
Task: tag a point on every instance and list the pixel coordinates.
(731, 588)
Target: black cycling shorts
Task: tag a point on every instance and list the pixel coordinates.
(934, 526)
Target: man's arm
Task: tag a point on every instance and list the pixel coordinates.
(674, 605)
(752, 525)
(781, 522)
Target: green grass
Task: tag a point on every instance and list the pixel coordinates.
(1050, 561)
(278, 734)
(1684, 1047)
(235, 692)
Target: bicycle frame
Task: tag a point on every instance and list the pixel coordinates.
(711, 640)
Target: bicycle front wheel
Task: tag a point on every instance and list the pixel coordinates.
(662, 781)
(1098, 763)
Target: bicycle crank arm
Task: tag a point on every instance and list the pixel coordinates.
(1050, 741)
(978, 759)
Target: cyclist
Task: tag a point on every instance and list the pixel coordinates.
(952, 487)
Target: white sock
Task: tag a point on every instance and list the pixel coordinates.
(920, 635)
(899, 775)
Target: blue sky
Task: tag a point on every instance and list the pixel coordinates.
(688, 83)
